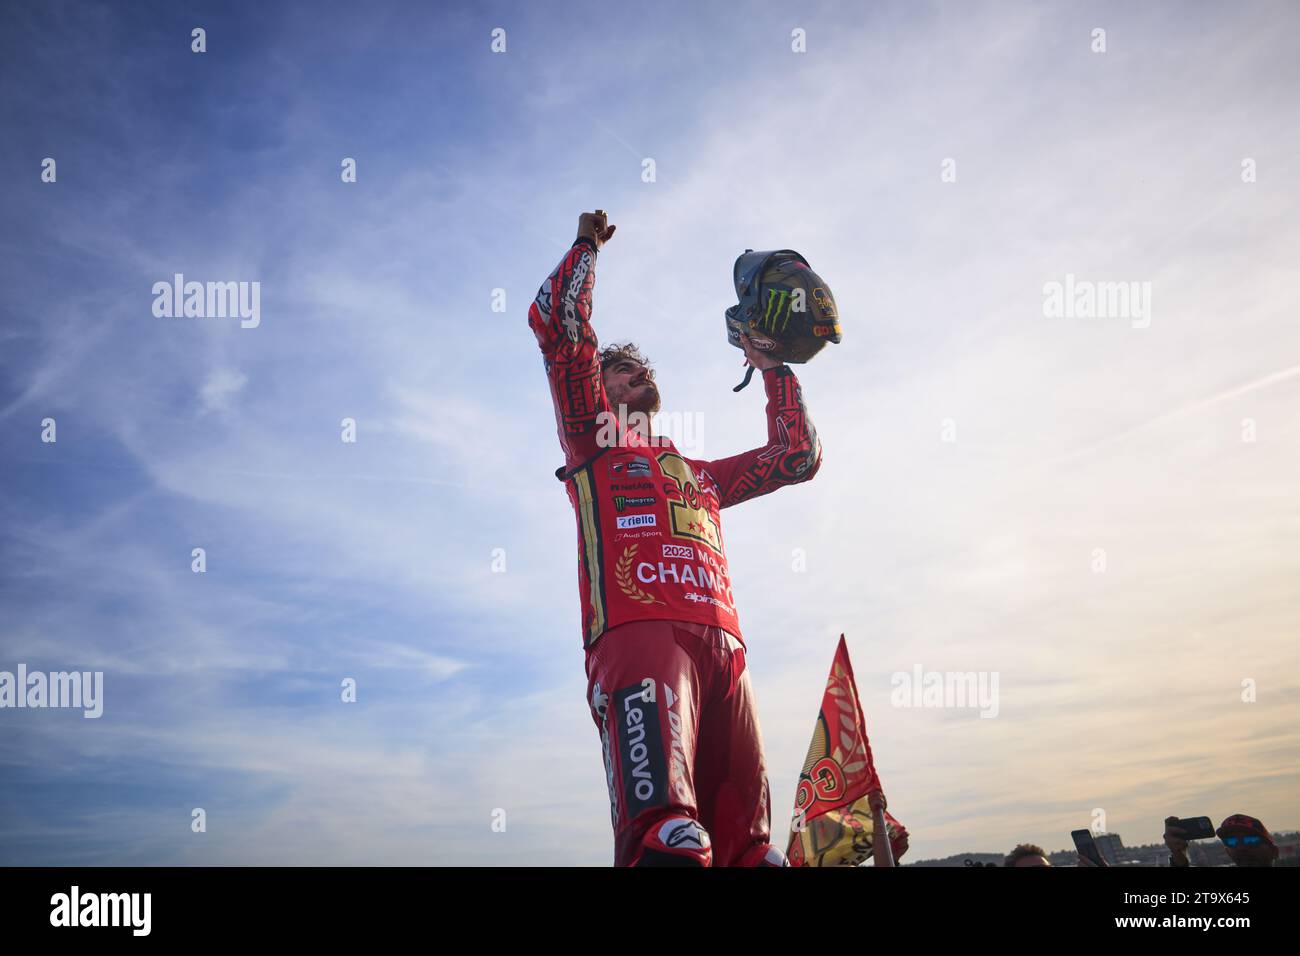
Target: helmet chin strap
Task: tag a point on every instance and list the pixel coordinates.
(749, 373)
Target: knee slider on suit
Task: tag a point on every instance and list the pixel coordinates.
(677, 841)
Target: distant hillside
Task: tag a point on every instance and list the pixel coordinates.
(1205, 853)
(961, 858)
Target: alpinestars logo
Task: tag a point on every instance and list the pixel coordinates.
(600, 705)
(676, 750)
(543, 301)
(782, 443)
(599, 701)
(682, 831)
(571, 323)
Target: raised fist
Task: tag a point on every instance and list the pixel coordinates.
(595, 226)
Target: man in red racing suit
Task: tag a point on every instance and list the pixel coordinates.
(667, 683)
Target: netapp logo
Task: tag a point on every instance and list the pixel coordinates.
(636, 521)
(631, 486)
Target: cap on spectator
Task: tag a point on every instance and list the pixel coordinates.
(1239, 824)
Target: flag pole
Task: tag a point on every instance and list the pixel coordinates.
(882, 850)
(838, 774)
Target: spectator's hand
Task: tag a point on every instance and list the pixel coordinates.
(1084, 861)
(595, 226)
(902, 846)
(759, 360)
(1175, 839)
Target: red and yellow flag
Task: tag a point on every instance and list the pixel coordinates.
(832, 823)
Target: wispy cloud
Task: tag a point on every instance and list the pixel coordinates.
(379, 560)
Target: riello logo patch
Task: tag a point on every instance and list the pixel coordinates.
(636, 521)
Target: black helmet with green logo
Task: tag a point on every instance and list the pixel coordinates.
(784, 307)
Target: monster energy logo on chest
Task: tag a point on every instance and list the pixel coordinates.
(623, 501)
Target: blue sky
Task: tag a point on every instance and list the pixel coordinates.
(372, 560)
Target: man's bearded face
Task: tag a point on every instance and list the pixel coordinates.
(632, 384)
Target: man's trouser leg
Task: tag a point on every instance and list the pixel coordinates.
(658, 690)
(643, 686)
(731, 777)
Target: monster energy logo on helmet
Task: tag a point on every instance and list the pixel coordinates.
(776, 313)
(784, 307)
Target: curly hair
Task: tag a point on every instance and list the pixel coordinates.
(619, 351)
(1022, 851)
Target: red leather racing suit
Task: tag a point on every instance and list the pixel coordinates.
(667, 682)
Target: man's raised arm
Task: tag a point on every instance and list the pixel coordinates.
(560, 317)
(792, 453)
